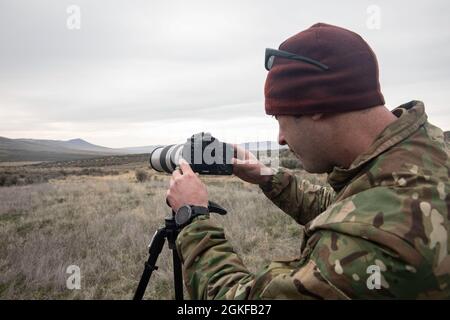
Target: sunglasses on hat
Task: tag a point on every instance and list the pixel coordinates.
(272, 53)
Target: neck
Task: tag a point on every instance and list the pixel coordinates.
(361, 131)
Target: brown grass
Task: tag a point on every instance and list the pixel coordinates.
(103, 224)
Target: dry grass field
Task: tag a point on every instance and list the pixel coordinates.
(98, 216)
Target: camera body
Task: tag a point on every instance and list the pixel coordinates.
(206, 155)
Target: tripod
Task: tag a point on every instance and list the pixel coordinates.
(169, 232)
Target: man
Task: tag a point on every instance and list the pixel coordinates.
(380, 232)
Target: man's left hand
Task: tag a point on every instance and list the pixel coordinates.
(186, 188)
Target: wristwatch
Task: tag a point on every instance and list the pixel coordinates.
(187, 213)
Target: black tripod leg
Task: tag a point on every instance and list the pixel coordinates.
(155, 248)
(178, 277)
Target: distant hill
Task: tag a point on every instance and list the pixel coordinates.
(64, 146)
(58, 150)
(12, 150)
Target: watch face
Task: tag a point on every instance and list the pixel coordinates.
(183, 215)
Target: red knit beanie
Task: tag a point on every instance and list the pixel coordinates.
(351, 82)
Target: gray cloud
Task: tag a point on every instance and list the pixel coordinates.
(156, 64)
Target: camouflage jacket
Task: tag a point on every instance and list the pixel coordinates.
(381, 231)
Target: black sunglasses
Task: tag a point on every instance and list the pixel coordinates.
(272, 53)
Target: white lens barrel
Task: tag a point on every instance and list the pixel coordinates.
(155, 157)
(166, 158)
(176, 155)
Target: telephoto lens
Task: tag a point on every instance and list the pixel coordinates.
(203, 152)
(166, 158)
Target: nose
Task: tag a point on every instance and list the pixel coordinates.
(281, 139)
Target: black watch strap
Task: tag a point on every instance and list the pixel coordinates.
(184, 216)
(198, 211)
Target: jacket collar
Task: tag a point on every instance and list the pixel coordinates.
(410, 116)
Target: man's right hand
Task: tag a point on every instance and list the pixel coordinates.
(248, 168)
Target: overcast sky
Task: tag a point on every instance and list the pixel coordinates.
(142, 72)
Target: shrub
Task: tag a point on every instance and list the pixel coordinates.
(141, 175)
(2, 180)
(11, 180)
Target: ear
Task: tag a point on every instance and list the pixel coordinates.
(317, 116)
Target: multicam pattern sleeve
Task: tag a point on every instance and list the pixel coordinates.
(212, 270)
(300, 199)
(332, 266)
